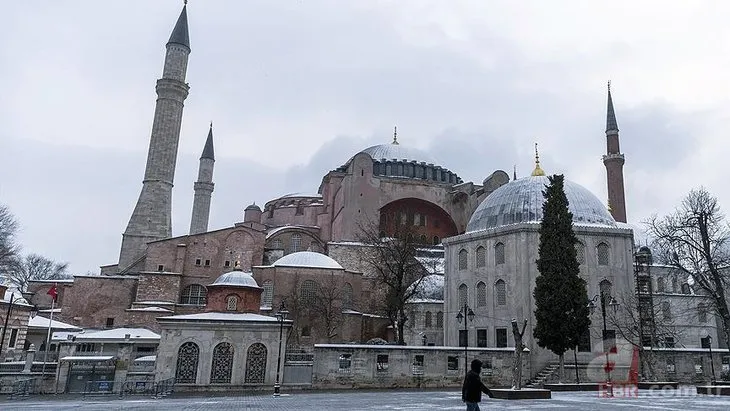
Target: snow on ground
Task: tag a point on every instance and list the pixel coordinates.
(683, 399)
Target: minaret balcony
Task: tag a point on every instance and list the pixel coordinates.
(613, 157)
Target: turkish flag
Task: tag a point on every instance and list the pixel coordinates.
(53, 292)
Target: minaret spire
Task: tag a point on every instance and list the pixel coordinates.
(614, 162)
(203, 187)
(395, 135)
(152, 216)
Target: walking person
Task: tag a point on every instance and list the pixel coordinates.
(471, 392)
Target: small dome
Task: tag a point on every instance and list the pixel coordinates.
(307, 259)
(431, 287)
(252, 207)
(236, 279)
(521, 201)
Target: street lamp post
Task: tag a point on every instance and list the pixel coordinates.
(281, 317)
(592, 306)
(712, 363)
(464, 313)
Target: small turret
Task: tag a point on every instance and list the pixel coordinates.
(252, 214)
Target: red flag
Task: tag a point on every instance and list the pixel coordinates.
(53, 292)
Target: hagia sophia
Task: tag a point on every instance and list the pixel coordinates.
(481, 236)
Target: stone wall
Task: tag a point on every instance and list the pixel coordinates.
(389, 366)
(157, 286)
(93, 299)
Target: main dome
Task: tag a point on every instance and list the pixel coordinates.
(308, 259)
(398, 152)
(521, 201)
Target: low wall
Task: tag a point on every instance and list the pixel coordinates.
(392, 366)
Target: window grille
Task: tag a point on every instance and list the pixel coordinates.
(481, 294)
(222, 364)
(501, 291)
(194, 294)
(499, 254)
(481, 257)
(463, 259)
(463, 295)
(603, 254)
(187, 363)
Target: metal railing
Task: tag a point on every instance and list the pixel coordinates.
(98, 388)
(23, 388)
(163, 388)
(137, 388)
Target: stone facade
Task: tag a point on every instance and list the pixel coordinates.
(426, 323)
(500, 288)
(387, 366)
(252, 341)
(15, 334)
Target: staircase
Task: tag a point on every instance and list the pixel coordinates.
(538, 380)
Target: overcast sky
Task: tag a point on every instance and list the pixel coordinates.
(295, 88)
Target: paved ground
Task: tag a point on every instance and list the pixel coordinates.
(684, 400)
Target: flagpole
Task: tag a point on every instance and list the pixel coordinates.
(48, 336)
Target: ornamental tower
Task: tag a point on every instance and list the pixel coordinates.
(151, 219)
(203, 188)
(614, 162)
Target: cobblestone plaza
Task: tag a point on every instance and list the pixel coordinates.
(683, 399)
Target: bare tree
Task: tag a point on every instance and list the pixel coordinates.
(8, 246)
(649, 317)
(36, 267)
(694, 240)
(326, 307)
(397, 273)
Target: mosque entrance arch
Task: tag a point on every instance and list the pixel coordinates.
(430, 223)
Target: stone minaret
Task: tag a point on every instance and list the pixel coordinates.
(151, 218)
(614, 162)
(203, 188)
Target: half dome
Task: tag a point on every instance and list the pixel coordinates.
(308, 259)
(521, 201)
(236, 279)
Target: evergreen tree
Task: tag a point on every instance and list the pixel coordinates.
(560, 294)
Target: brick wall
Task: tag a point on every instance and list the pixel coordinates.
(248, 300)
(93, 299)
(158, 287)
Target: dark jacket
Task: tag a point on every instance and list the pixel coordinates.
(473, 388)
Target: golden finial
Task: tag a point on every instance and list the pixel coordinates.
(395, 135)
(537, 171)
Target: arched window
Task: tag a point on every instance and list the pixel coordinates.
(231, 303)
(701, 313)
(463, 259)
(436, 240)
(580, 252)
(605, 288)
(666, 310)
(439, 319)
(429, 319)
(463, 294)
(603, 254)
(481, 257)
(186, 370)
(685, 289)
(423, 239)
(499, 253)
(501, 292)
(674, 284)
(660, 285)
(308, 291)
(267, 297)
(194, 294)
(347, 296)
(255, 364)
(222, 364)
(481, 294)
(276, 244)
(296, 242)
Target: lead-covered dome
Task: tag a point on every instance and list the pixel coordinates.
(308, 259)
(236, 278)
(521, 201)
(399, 152)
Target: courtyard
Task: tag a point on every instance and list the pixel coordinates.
(684, 399)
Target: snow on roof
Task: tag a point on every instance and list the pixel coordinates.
(43, 322)
(55, 311)
(424, 301)
(434, 265)
(155, 302)
(151, 309)
(88, 358)
(237, 317)
(275, 230)
(392, 346)
(119, 334)
(147, 358)
(308, 259)
(62, 335)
